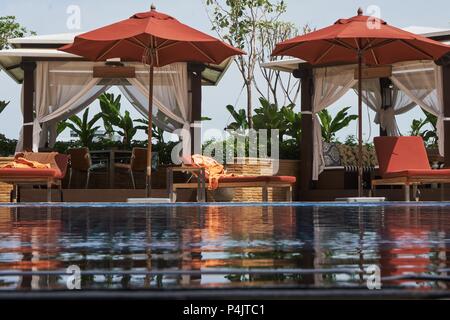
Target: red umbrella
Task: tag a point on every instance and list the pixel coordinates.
(153, 38)
(358, 39)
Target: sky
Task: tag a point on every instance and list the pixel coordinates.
(50, 16)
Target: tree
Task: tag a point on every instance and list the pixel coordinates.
(10, 28)
(110, 106)
(3, 105)
(331, 126)
(239, 22)
(270, 33)
(84, 128)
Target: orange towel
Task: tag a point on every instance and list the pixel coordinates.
(22, 163)
(213, 169)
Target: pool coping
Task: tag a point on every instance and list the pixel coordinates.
(221, 204)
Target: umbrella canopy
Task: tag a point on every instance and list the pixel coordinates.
(378, 42)
(361, 39)
(133, 39)
(156, 39)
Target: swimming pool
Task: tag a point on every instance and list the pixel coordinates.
(305, 246)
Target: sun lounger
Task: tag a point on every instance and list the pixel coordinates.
(404, 161)
(49, 177)
(264, 182)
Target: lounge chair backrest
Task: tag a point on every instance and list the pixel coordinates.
(80, 159)
(397, 154)
(56, 160)
(139, 159)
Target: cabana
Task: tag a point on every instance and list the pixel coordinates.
(389, 91)
(64, 84)
(56, 85)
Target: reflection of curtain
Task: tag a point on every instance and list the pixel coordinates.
(170, 92)
(330, 84)
(422, 82)
(62, 89)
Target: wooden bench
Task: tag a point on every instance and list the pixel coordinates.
(263, 182)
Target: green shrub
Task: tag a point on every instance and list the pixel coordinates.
(7, 146)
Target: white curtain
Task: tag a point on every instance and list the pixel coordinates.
(421, 81)
(66, 88)
(139, 101)
(170, 94)
(62, 89)
(19, 146)
(330, 84)
(372, 97)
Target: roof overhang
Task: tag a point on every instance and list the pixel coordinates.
(45, 47)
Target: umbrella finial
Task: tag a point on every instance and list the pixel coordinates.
(153, 7)
(360, 11)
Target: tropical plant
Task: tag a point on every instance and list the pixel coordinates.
(10, 28)
(293, 122)
(112, 118)
(268, 116)
(422, 128)
(157, 133)
(331, 126)
(83, 127)
(240, 119)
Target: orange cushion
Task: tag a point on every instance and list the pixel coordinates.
(419, 174)
(397, 154)
(250, 179)
(282, 179)
(9, 173)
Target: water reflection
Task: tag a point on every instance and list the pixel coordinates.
(398, 239)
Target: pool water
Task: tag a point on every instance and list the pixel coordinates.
(398, 239)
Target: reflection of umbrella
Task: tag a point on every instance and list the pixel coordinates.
(156, 39)
(359, 39)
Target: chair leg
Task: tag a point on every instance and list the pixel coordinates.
(265, 194)
(289, 194)
(132, 179)
(416, 192)
(49, 192)
(87, 179)
(61, 194)
(173, 195)
(16, 193)
(407, 192)
(70, 178)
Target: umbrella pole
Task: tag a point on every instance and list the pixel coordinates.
(149, 134)
(360, 129)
